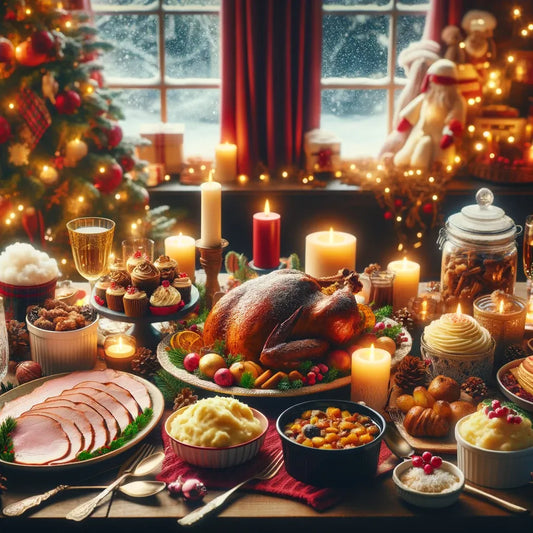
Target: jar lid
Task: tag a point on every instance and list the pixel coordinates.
(482, 222)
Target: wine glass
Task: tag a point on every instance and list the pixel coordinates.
(91, 240)
(528, 253)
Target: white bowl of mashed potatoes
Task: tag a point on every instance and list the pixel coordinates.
(217, 432)
(493, 452)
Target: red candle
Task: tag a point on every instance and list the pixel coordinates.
(266, 238)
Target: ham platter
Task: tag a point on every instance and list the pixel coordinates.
(57, 417)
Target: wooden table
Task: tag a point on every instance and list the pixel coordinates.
(371, 507)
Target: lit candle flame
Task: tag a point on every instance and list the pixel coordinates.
(331, 235)
(372, 355)
(267, 208)
(500, 307)
(424, 310)
(458, 312)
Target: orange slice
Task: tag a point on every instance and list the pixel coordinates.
(187, 340)
(368, 318)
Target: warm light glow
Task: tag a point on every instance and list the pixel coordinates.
(28, 11)
(398, 219)
(167, 177)
(510, 139)
(510, 59)
(267, 208)
(133, 226)
(117, 196)
(210, 178)
(434, 197)
(202, 167)
(471, 101)
(372, 354)
(90, 89)
(101, 170)
(492, 155)
(63, 261)
(418, 172)
(387, 190)
(471, 128)
(284, 174)
(486, 134)
(378, 180)
(431, 179)
(11, 105)
(81, 199)
(498, 91)
(419, 234)
(369, 175)
(243, 178)
(500, 307)
(262, 177)
(68, 24)
(517, 13)
(462, 45)
(457, 159)
(458, 312)
(479, 146)
(424, 311)
(20, 207)
(331, 240)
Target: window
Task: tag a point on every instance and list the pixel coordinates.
(166, 63)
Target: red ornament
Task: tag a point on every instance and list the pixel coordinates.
(108, 178)
(42, 42)
(387, 215)
(398, 202)
(127, 163)
(27, 56)
(114, 136)
(5, 130)
(7, 50)
(427, 208)
(67, 102)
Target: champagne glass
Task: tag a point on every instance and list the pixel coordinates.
(528, 253)
(91, 240)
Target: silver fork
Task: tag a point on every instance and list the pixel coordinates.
(85, 509)
(267, 473)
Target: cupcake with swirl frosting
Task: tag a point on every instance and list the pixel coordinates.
(136, 259)
(146, 277)
(165, 300)
(135, 302)
(114, 297)
(120, 277)
(183, 283)
(167, 267)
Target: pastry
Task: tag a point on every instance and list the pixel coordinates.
(135, 302)
(167, 267)
(426, 422)
(117, 266)
(146, 277)
(183, 283)
(114, 297)
(136, 259)
(120, 277)
(165, 299)
(100, 287)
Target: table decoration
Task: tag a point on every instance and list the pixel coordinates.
(182, 248)
(381, 288)
(266, 239)
(327, 252)
(226, 162)
(211, 192)
(211, 262)
(119, 351)
(405, 284)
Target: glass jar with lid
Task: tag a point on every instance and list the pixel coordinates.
(479, 253)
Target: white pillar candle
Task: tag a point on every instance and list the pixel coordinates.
(182, 249)
(326, 252)
(406, 279)
(226, 162)
(211, 235)
(370, 376)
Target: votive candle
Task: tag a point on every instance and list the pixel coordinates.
(327, 252)
(406, 280)
(266, 238)
(119, 351)
(211, 233)
(371, 369)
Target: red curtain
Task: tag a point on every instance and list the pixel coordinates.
(271, 61)
(441, 13)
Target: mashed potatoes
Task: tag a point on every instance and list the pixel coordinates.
(496, 433)
(215, 423)
(22, 264)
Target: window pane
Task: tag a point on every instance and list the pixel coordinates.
(199, 111)
(135, 46)
(354, 46)
(422, 3)
(140, 106)
(192, 44)
(410, 29)
(103, 4)
(192, 3)
(357, 117)
(355, 3)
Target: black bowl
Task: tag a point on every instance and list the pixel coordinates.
(330, 468)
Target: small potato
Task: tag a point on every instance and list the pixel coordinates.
(404, 402)
(442, 408)
(423, 397)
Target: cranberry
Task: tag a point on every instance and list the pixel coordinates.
(417, 461)
(436, 461)
(323, 368)
(426, 456)
(428, 469)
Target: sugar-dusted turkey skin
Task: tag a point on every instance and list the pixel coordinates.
(246, 315)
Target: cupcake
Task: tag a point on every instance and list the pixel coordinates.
(120, 277)
(135, 302)
(165, 300)
(183, 283)
(136, 259)
(146, 277)
(117, 266)
(100, 288)
(167, 267)
(114, 297)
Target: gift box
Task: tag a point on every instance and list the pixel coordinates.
(165, 147)
(322, 151)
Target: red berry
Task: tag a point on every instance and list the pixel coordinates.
(417, 461)
(319, 377)
(315, 369)
(323, 368)
(191, 361)
(492, 414)
(428, 469)
(426, 456)
(436, 461)
(495, 404)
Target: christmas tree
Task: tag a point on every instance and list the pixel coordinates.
(62, 151)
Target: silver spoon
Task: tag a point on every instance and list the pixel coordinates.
(402, 449)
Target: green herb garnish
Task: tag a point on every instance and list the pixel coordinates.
(169, 385)
(130, 431)
(383, 312)
(176, 356)
(6, 442)
(247, 380)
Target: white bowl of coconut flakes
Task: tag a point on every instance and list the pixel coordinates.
(437, 485)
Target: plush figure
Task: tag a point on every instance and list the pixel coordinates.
(434, 120)
(452, 36)
(415, 61)
(479, 43)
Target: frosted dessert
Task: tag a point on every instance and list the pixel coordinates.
(456, 333)
(22, 264)
(216, 422)
(497, 427)
(524, 374)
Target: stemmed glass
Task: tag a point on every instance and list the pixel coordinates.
(528, 253)
(91, 240)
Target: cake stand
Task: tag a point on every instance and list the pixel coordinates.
(143, 327)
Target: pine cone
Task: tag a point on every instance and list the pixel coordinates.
(183, 398)
(403, 316)
(19, 340)
(410, 373)
(475, 388)
(145, 362)
(512, 352)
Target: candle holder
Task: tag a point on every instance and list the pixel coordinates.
(211, 262)
(119, 351)
(263, 271)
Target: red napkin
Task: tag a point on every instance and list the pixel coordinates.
(281, 485)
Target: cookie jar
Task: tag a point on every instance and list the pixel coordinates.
(479, 253)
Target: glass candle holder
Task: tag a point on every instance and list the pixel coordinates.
(381, 285)
(119, 351)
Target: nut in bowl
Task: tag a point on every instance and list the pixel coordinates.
(428, 481)
(218, 432)
(330, 443)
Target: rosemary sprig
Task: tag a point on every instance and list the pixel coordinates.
(6, 442)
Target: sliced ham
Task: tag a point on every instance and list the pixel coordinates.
(39, 440)
(77, 417)
(111, 403)
(81, 398)
(119, 393)
(137, 389)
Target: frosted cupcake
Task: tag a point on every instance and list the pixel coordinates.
(120, 277)
(167, 267)
(146, 277)
(114, 297)
(136, 259)
(135, 302)
(100, 289)
(183, 283)
(165, 300)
